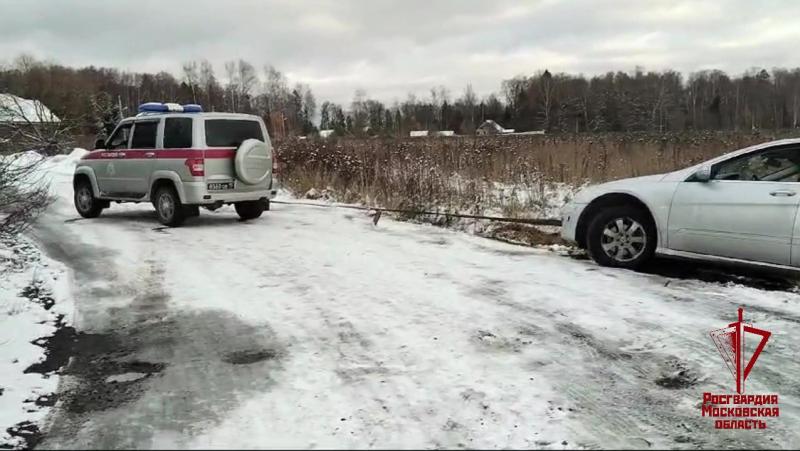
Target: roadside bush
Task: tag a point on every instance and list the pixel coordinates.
(23, 191)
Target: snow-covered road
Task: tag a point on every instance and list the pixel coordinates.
(312, 327)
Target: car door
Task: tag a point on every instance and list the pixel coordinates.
(105, 168)
(135, 165)
(746, 210)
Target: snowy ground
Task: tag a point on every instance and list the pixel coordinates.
(34, 300)
(311, 327)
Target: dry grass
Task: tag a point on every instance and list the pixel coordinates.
(512, 176)
(517, 176)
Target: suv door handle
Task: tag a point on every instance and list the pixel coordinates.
(782, 193)
(149, 154)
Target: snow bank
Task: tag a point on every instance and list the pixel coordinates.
(65, 164)
(35, 297)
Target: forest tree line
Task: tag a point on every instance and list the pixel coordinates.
(94, 98)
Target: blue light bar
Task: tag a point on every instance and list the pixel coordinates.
(153, 107)
(158, 107)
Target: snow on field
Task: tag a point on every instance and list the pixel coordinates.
(34, 298)
(312, 327)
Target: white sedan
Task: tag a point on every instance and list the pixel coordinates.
(741, 207)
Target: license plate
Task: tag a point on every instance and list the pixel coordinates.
(220, 186)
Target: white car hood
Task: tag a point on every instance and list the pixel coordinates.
(589, 193)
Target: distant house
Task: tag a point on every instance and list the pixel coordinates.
(325, 134)
(490, 127)
(27, 124)
(16, 110)
(424, 133)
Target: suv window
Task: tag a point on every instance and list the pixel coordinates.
(231, 133)
(178, 133)
(770, 165)
(144, 135)
(119, 140)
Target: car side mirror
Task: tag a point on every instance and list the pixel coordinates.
(703, 174)
(100, 144)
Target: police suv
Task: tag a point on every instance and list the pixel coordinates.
(179, 158)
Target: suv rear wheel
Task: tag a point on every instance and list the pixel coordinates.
(87, 205)
(169, 207)
(251, 209)
(623, 237)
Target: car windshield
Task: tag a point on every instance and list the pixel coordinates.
(231, 133)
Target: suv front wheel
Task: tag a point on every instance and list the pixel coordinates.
(169, 207)
(623, 237)
(87, 205)
(251, 209)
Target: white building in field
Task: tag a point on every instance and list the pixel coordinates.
(16, 110)
(490, 127)
(325, 134)
(532, 132)
(426, 133)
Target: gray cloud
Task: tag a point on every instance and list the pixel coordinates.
(392, 48)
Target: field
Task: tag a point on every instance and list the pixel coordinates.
(515, 175)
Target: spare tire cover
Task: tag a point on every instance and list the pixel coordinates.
(253, 161)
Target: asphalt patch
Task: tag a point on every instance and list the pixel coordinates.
(95, 357)
(248, 357)
(27, 431)
(35, 293)
(96, 392)
(57, 348)
(190, 364)
(46, 400)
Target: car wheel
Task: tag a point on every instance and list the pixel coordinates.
(623, 237)
(169, 208)
(250, 209)
(87, 205)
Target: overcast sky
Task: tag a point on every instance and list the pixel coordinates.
(390, 48)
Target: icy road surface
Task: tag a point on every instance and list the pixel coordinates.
(311, 327)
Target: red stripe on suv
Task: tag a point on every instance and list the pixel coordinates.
(133, 154)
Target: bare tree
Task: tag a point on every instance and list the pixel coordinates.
(247, 80)
(191, 77)
(232, 87)
(469, 101)
(276, 89)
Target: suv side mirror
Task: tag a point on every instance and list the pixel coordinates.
(703, 174)
(100, 144)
